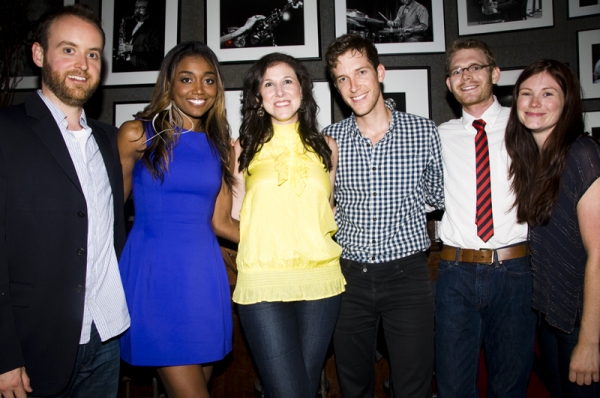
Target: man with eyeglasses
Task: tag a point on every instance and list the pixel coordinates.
(484, 285)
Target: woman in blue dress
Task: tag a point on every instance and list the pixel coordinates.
(175, 159)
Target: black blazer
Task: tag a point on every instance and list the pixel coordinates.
(43, 245)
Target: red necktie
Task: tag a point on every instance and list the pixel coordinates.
(484, 218)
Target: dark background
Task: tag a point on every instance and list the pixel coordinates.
(514, 49)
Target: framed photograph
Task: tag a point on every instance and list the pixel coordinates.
(410, 90)
(240, 31)
(592, 123)
(124, 111)
(321, 92)
(138, 35)
(503, 90)
(589, 62)
(583, 8)
(394, 27)
(28, 76)
(491, 16)
(233, 106)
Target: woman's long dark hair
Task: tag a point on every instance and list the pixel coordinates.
(537, 172)
(165, 117)
(256, 130)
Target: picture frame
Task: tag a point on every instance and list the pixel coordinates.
(476, 17)
(410, 88)
(321, 93)
(588, 44)
(120, 26)
(369, 19)
(29, 74)
(592, 123)
(503, 89)
(124, 111)
(292, 27)
(583, 8)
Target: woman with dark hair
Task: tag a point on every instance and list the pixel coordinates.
(556, 170)
(175, 158)
(289, 278)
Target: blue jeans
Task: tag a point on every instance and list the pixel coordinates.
(96, 371)
(289, 342)
(555, 348)
(397, 293)
(489, 305)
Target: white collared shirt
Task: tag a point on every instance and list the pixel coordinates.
(458, 153)
(105, 303)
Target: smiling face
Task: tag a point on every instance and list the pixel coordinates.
(540, 103)
(473, 90)
(358, 82)
(281, 93)
(71, 64)
(194, 90)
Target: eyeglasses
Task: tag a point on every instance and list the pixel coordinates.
(475, 68)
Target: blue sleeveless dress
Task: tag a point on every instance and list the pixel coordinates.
(172, 270)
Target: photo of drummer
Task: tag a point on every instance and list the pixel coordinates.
(390, 21)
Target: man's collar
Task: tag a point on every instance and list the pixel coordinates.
(489, 116)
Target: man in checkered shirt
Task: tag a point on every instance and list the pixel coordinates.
(389, 169)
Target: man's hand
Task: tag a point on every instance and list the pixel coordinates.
(15, 383)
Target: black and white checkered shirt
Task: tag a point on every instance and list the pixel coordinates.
(381, 190)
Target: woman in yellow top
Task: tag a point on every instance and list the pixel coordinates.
(289, 281)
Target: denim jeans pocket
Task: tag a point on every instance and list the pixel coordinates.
(445, 266)
(518, 267)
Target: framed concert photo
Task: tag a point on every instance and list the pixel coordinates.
(394, 27)
(503, 90)
(492, 16)
(28, 74)
(124, 111)
(588, 42)
(583, 8)
(138, 35)
(410, 90)
(592, 123)
(239, 31)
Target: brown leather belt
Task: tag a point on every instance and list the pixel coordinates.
(484, 256)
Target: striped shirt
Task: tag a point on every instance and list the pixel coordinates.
(381, 191)
(105, 304)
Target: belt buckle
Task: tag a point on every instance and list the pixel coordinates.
(491, 260)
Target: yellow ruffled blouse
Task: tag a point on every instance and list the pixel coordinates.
(286, 250)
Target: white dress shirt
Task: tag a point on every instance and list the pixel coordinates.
(458, 153)
(105, 303)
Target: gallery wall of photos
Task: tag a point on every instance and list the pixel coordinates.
(567, 30)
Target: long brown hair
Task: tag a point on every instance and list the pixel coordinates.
(166, 119)
(537, 172)
(256, 130)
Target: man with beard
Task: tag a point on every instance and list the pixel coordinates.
(61, 224)
(141, 41)
(484, 284)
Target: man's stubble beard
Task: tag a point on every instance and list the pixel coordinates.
(75, 97)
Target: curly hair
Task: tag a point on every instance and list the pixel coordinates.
(537, 172)
(256, 130)
(167, 118)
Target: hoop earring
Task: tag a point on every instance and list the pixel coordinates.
(260, 111)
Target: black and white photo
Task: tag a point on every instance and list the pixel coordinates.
(583, 8)
(246, 30)
(28, 74)
(488, 16)
(589, 62)
(409, 89)
(503, 90)
(394, 26)
(592, 123)
(138, 35)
